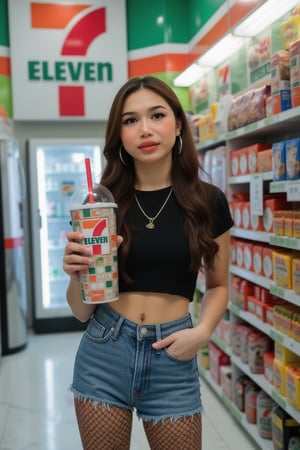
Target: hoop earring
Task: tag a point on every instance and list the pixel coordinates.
(121, 157)
(180, 145)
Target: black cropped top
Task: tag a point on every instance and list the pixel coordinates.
(159, 258)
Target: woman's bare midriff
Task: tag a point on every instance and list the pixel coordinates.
(150, 307)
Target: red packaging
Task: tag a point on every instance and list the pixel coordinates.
(251, 304)
(246, 215)
(248, 256)
(217, 358)
(267, 262)
(271, 205)
(246, 289)
(268, 366)
(253, 151)
(258, 259)
(234, 163)
(240, 253)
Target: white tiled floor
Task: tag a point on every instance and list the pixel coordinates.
(36, 408)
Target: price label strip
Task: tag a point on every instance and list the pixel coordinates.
(256, 194)
(293, 191)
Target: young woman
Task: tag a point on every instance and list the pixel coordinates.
(139, 352)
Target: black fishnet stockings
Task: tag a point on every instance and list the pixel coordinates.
(179, 434)
(103, 427)
(109, 428)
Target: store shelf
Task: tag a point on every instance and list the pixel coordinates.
(264, 327)
(241, 179)
(225, 348)
(290, 187)
(272, 129)
(286, 294)
(261, 381)
(261, 236)
(264, 444)
(282, 126)
(285, 242)
(211, 143)
(250, 276)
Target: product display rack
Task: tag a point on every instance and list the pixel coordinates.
(272, 129)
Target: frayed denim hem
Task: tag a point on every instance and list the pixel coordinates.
(96, 402)
(155, 420)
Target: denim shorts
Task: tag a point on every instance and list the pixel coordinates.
(116, 365)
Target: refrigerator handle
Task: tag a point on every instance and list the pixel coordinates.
(22, 179)
(39, 219)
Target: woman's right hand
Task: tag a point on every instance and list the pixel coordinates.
(77, 256)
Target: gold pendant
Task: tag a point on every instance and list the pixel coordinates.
(150, 225)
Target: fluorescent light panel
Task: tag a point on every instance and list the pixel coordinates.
(263, 16)
(222, 50)
(189, 76)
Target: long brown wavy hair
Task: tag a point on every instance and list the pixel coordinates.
(191, 193)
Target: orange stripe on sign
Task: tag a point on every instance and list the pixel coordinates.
(171, 62)
(5, 66)
(89, 223)
(238, 11)
(10, 243)
(51, 15)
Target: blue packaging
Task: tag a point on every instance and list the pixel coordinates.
(292, 159)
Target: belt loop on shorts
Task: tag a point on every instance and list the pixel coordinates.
(116, 329)
(158, 337)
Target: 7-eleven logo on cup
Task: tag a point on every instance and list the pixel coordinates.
(96, 235)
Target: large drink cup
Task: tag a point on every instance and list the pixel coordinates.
(95, 217)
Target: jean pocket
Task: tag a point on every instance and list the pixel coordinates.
(173, 358)
(98, 332)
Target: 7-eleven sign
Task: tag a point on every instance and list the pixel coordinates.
(68, 59)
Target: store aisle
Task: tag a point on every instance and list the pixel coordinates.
(36, 408)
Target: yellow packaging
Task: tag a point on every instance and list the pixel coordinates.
(296, 224)
(279, 377)
(292, 384)
(214, 107)
(203, 357)
(288, 223)
(290, 31)
(203, 128)
(285, 355)
(296, 275)
(278, 222)
(296, 327)
(282, 269)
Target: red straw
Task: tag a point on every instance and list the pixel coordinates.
(89, 180)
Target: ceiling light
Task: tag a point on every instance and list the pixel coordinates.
(192, 74)
(263, 16)
(222, 50)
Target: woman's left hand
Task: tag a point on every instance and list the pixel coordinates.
(183, 344)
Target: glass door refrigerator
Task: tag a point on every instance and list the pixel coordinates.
(13, 295)
(56, 169)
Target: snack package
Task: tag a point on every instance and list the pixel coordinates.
(294, 53)
(280, 82)
(278, 161)
(292, 159)
(257, 106)
(290, 31)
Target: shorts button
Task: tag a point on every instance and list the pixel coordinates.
(144, 331)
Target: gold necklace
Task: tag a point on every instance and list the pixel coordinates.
(150, 225)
